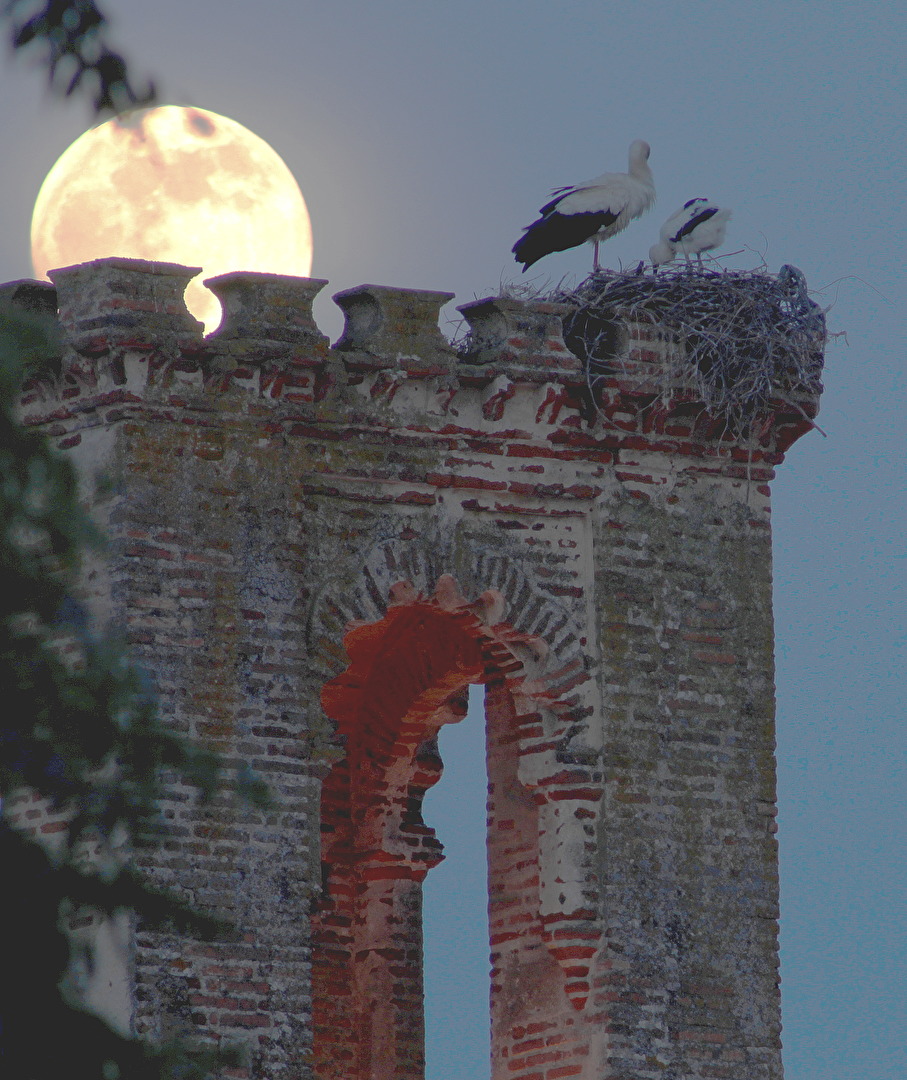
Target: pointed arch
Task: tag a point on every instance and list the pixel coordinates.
(407, 675)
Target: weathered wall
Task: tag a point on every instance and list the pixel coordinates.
(606, 572)
(685, 842)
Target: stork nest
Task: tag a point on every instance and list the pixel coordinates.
(736, 338)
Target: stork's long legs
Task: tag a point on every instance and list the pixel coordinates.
(595, 266)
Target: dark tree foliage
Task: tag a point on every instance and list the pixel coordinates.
(72, 35)
(77, 724)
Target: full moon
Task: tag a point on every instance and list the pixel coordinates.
(173, 184)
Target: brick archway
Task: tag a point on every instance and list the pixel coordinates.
(407, 676)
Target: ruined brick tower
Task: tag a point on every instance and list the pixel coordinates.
(315, 549)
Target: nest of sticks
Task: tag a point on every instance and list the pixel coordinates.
(736, 338)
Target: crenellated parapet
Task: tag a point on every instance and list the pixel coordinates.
(129, 340)
(314, 548)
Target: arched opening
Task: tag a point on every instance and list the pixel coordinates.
(408, 675)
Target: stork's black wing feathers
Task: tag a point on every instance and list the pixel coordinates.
(558, 232)
(686, 229)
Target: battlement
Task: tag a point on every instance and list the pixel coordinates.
(130, 344)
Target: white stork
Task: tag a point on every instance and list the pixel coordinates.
(591, 211)
(697, 226)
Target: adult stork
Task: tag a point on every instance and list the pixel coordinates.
(591, 211)
(697, 226)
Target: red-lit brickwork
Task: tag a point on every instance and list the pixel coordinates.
(376, 850)
(294, 527)
(406, 678)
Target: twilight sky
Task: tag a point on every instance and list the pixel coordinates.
(424, 135)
